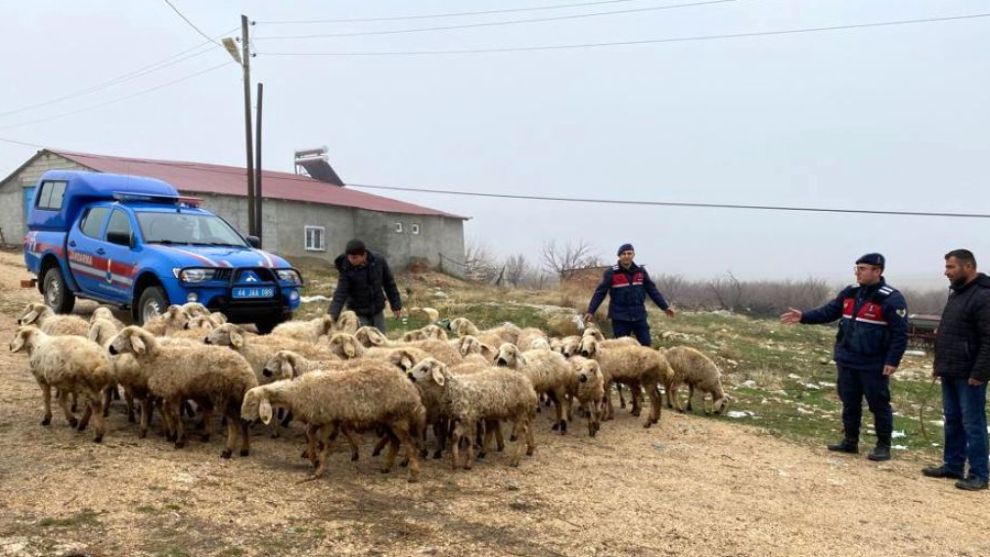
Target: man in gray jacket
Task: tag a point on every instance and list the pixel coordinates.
(962, 362)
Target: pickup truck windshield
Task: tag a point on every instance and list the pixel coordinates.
(184, 228)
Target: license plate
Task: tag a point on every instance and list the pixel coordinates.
(241, 293)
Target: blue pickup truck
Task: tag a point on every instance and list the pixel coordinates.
(135, 243)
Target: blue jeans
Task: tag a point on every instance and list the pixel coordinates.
(639, 329)
(853, 386)
(964, 408)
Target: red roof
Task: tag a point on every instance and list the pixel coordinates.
(231, 180)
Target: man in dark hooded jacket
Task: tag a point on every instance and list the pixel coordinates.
(962, 363)
(363, 277)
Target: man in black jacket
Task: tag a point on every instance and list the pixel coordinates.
(869, 345)
(363, 276)
(962, 362)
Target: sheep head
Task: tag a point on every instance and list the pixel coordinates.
(24, 338)
(539, 344)
(593, 331)
(325, 324)
(429, 370)
(131, 340)
(227, 334)
(370, 336)
(463, 326)
(204, 322)
(346, 346)
(256, 405)
(434, 331)
(33, 313)
(194, 309)
(418, 334)
(284, 365)
(218, 318)
(403, 359)
(101, 312)
(509, 356)
(348, 321)
(588, 346)
(101, 331)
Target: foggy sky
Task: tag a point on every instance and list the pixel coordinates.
(891, 118)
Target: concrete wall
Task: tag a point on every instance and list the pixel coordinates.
(12, 217)
(436, 235)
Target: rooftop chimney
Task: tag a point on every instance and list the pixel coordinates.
(314, 163)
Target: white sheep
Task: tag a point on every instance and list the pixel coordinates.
(430, 314)
(51, 323)
(636, 366)
(257, 350)
(698, 371)
(71, 364)
(506, 332)
(428, 332)
(487, 396)
(529, 335)
(586, 385)
(174, 318)
(375, 394)
(469, 344)
(348, 322)
(214, 377)
(306, 331)
(548, 371)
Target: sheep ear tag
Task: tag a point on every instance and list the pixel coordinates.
(265, 411)
(437, 377)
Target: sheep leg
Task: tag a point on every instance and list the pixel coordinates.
(636, 395)
(472, 434)
(107, 398)
(232, 427)
(393, 448)
(310, 452)
(522, 427)
(455, 445)
(622, 399)
(172, 409)
(75, 402)
(46, 399)
(84, 420)
(382, 442)
(486, 441)
(147, 407)
(321, 462)
(63, 401)
(99, 424)
(592, 419)
(129, 400)
(440, 433)
(607, 408)
(499, 440)
(207, 424)
(655, 404)
(352, 441)
(691, 397)
(402, 432)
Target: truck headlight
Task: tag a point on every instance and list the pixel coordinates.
(196, 275)
(288, 275)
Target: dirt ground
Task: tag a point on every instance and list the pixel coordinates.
(692, 486)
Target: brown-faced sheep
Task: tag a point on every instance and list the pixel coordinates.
(698, 371)
(375, 394)
(429, 332)
(487, 396)
(548, 371)
(50, 323)
(71, 364)
(306, 331)
(636, 366)
(211, 376)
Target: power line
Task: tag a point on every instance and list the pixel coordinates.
(124, 98)
(25, 143)
(629, 43)
(191, 24)
(139, 72)
(492, 23)
(682, 204)
(443, 14)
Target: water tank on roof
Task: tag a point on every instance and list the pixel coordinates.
(317, 166)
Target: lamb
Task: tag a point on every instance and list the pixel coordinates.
(586, 385)
(489, 396)
(548, 371)
(529, 335)
(698, 371)
(212, 376)
(173, 319)
(357, 398)
(70, 364)
(429, 332)
(506, 332)
(631, 365)
(306, 331)
(51, 323)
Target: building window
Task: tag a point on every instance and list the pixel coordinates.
(315, 240)
(398, 228)
(414, 229)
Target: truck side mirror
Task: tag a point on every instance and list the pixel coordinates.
(119, 238)
(254, 242)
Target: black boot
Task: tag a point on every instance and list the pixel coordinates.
(882, 451)
(847, 445)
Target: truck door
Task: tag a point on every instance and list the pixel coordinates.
(84, 247)
(121, 258)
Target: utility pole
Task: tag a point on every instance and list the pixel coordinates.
(257, 175)
(246, 66)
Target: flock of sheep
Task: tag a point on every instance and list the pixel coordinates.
(338, 379)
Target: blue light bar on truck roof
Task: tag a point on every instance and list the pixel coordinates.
(157, 198)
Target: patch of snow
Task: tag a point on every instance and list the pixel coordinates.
(899, 447)
(739, 414)
(804, 410)
(793, 376)
(812, 386)
(942, 423)
(898, 434)
(749, 383)
(826, 384)
(317, 298)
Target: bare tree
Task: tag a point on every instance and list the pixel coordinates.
(479, 263)
(515, 269)
(559, 259)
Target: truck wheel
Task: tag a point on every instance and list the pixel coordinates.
(265, 326)
(57, 294)
(153, 302)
